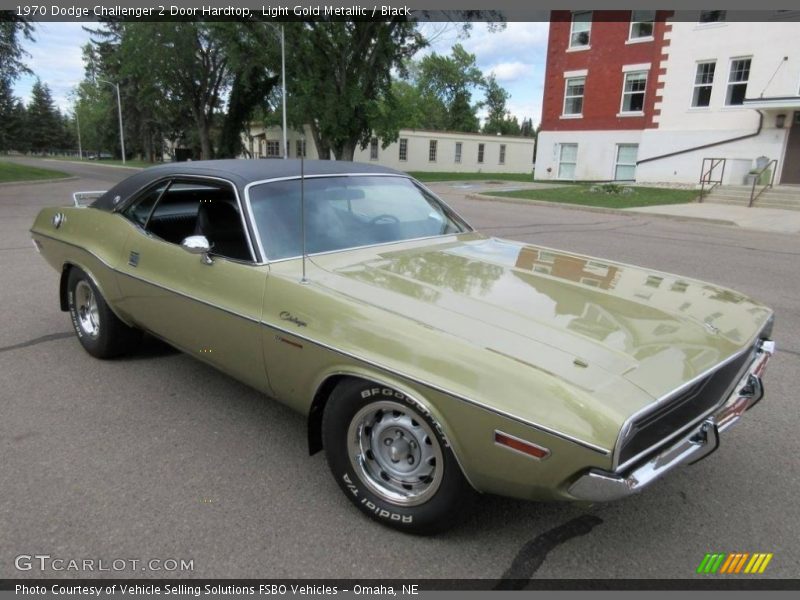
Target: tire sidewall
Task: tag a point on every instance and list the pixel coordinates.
(437, 513)
(93, 345)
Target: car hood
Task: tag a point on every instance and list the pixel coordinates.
(655, 330)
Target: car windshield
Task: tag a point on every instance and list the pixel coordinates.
(346, 212)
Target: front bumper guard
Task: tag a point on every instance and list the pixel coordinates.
(597, 485)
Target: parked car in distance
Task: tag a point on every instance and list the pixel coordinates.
(431, 361)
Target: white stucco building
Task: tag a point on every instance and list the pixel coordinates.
(647, 95)
(415, 150)
(732, 84)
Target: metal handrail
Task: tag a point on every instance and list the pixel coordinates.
(753, 195)
(705, 176)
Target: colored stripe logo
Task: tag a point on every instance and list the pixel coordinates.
(734, 563)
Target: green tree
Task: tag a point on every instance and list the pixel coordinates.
(498, 120)
(451, 80)
(18, 130)
(254, 57)
(44, 125)
(527, 129)
(175, 78)
(7, 114)
(182, 61)
(95, 112)
(341, 80)
(13, 30)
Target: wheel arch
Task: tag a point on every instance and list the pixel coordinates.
(330, 381)
(63, 289)
(63, 284)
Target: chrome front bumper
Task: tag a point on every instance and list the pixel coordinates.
(597, 485)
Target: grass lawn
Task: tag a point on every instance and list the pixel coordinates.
(13, 172)
(445, 176)
(580, 194)
(139, 164)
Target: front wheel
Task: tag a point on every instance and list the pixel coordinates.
(391, 459)
(99, 330)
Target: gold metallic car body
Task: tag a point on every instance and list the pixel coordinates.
(486, 335)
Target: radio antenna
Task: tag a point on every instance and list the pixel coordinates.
(303, 208)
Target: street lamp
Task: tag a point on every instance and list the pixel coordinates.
(119, 111)
(283, 91)
(78, 124)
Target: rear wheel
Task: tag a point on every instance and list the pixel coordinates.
(391, 459)
(99, 330)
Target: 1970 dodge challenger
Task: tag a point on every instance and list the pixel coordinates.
(430, 360)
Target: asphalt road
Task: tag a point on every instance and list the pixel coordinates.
(157, 456)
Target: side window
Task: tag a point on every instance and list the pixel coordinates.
(140, 210)
(210, 209)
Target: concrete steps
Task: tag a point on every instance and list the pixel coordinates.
(785, 197)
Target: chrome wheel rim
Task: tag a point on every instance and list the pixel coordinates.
(86, 308)
(395, 453)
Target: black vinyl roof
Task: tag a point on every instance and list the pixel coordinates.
(239, 171)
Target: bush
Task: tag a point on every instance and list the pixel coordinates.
(609, 188)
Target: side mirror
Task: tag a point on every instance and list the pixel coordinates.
(198, 244)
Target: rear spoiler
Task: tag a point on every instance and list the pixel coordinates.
(83, 199)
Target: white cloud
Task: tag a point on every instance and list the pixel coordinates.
(56, 58)
(515, 54)
(518, 41)
(511, 71)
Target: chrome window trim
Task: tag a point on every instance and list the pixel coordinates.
(76, 197)
(170, 179)
(294, 333)
(265, 259)
(749, 347)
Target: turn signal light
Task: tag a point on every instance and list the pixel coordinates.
(518, 445)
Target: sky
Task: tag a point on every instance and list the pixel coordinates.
(515, 55)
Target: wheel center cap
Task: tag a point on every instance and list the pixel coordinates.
(399, 450)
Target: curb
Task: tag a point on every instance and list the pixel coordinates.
(600, 209)
(38, 181)
(92, 164)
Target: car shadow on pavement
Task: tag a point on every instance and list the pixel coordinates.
(151, 347)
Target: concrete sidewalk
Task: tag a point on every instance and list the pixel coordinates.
(761, 219)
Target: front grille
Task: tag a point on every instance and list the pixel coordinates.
(683, 408)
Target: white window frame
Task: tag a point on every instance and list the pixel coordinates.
(560, 162)
(572, 31)
(481, 153)
(730, 83)
(458, 152)
(697, 85)
(618, 164)
(502, 156)
(373, 149)
(627, 74)
(402, 150)
(635, 21)
(300, 146)
(564, 112)
(433, 149)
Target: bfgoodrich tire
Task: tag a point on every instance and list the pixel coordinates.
(99, 330)
(391, 460)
